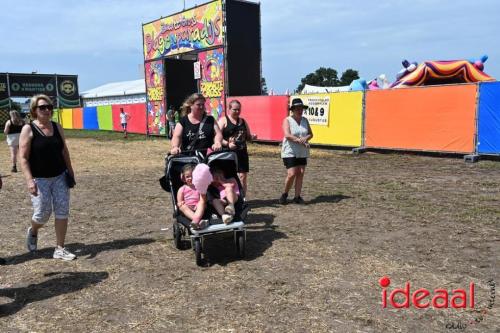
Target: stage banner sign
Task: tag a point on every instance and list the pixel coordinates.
(27, 85)
(194, 29)
(318, 108)
(212, 80)
(4, 92)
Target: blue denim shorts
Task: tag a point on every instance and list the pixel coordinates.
(53, 194)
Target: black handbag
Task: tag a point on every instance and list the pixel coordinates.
(70, 181)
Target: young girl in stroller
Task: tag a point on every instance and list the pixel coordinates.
(226, 195)
(190, 202)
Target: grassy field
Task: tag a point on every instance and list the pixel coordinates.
(430, 221)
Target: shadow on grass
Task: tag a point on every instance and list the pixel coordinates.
(259, 203)
(261, 233)
(328, 198)
(64, 283)
(80, 249)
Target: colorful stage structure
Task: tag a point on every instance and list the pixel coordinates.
(214, 49)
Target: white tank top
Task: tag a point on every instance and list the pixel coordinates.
(294, 149)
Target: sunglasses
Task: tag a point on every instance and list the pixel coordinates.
(235, 110)
(46, 107)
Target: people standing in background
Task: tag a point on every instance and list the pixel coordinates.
(295, 149)
(235, 134)
(124, 117)
(47, 168)
(12, 130)
(171, 122)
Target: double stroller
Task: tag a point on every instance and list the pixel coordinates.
(181, 228)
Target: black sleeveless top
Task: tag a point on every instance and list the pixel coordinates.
(238, 132)
(46, 153)
(190, 131)
(14, 129)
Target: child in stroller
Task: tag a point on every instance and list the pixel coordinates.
(189, 201)
(227, 194)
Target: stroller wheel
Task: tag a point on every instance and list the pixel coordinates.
(177, 235)
(197, 251)
(240, 244)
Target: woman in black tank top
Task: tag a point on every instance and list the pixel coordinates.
(12, 131)
(187, 134)
(236, 133)
(47, 168)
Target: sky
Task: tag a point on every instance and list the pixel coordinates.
(101, 40)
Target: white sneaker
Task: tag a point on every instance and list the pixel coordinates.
(62, 253)
(31, 241)
(226, 218)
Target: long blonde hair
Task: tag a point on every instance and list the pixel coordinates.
(15, 118)
(186, 106)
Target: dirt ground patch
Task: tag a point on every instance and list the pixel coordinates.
(314, 268)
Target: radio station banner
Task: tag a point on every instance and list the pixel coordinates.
(318, 108)
(194, 29)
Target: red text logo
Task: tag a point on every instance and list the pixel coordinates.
(422, 298)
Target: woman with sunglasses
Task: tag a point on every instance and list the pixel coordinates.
(235, 134)
(46, 162)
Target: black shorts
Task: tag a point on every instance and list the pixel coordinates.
(291, 162)
(243, 162)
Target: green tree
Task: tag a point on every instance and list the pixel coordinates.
(263, 86)
(348, 76)
(322, 77)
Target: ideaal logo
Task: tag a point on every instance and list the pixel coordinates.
(439, 299)
(423, 298)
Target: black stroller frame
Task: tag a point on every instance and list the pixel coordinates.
(228, 163)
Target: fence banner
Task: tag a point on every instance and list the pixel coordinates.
(343, 118)
(66, 118)
(264, 115)
(77, 118)
(105, 117)
(137, 117)
(439, 118)
(90, 118)
(55, 116)
(488, 140)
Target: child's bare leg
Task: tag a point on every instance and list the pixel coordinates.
(200, 207)
(218, 204)
(187, 212)
(231, 197)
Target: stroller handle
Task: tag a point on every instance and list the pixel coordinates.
(202, 150)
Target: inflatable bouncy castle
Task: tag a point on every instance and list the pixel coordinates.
(443, 72)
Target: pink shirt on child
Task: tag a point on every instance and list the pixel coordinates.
(190, 195)
(222, 191)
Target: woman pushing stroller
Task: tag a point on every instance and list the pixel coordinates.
(196, 130)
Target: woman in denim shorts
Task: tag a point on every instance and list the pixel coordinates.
(46, 165)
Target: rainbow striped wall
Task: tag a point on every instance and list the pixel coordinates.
(106, 118)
